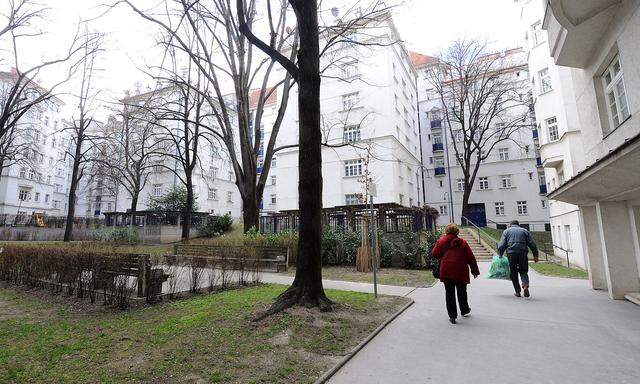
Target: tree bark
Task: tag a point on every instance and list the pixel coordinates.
(188, 210)
(250, 212)
(71, 204)
(307, 289)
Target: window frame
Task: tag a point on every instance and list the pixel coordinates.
(552, 135)
(499, 208)
(353, 168)
(522, 208)
(545, 80)
(612, 87)
(483, 183)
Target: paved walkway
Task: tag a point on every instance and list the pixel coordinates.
(566, 333)
(390, 290)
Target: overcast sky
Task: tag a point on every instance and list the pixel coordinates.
(426, 26)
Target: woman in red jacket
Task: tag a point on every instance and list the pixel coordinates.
(456, 258)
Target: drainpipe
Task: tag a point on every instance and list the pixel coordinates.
(424, 193)
(446, 153)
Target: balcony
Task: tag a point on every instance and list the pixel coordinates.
(534, 133)
(539, 161)
(575, 28)
(436, 124)
(438, 147)
(543, 189)
(439, 171)
(259, 170)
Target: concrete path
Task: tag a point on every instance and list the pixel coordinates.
(389, 290)
(566, 333)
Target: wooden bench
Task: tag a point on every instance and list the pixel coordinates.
(236, 255)
(134, 265)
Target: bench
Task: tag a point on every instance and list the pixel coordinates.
(149, 281)
(236, 255)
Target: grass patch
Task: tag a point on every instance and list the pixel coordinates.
(552, 269)
(386, 276)
(208, 338)
(540, 237)
(153, 250)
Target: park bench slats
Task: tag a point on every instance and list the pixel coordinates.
(276, 257)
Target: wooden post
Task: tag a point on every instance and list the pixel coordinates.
(144, 267)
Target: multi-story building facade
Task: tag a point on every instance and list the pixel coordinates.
(558, 131)
(597, 42)
(213, 177)
(36, 181)
(369, 123)
(509, 184)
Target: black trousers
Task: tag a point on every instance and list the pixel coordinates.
(451, 287)
(519, 264)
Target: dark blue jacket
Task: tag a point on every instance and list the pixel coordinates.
(516, 239)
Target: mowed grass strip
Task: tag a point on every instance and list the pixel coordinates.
(208, 338)
(386, 276)
(553, 269)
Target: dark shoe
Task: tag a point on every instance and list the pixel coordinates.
(526, 292)
(517, 294)
(467, 313)
(452, 321)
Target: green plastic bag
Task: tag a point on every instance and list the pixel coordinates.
(499, 268)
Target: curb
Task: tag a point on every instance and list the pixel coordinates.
(329, 374)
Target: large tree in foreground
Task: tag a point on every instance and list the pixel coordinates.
(484, 99)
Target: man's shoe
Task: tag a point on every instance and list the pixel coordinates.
(517, 294)
(452, 321)
(526, 292)
(467, 313)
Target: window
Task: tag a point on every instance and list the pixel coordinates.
(109, 207)
(56, 204)
(503, 153)
(430, 160)
(350, 101)
(460, 184)
(441, 184)
(229, 197)
(36, 197)
(24, 194)
(567, 237)
(350, 69)
(22, 173)
(353, 199)
(483, 183)
(351, 134)
(213, 194)
(273, 180)
(401, 198)
(536, 33)
(46, 198)
(505, 181)
(615, 94)
(443, 209)
(543, 203)
(57, 188)
(439, 162)
(437, 138)
(230, 175)
(157, 190)
(213, 172)
(552, 128)
(545, 80)
(499, 206)
(522, 207)
(157, 167)
(353, 168)
(273, 162)
(274, 199)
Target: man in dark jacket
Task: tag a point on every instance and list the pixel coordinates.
(515, 240)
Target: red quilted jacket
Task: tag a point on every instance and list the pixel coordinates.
(456, 258)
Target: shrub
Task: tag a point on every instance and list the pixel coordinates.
(431, 238)
(119, 235)
(339, 247)
(214, 226)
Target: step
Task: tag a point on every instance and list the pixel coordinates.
(633, 297)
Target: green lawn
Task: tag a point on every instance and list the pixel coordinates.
(209, 338)
(387, 276)
(540, 237)
(552, 269)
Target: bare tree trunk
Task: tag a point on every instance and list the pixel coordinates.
(71, 204)
(188, 210)
(250, 212)
(307, 288)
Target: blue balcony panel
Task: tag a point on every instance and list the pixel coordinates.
(543, 189)
(436, 123)
(437, 147)
(538, 161)
(440, 171)
(534, 133)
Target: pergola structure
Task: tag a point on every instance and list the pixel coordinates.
(390, 217)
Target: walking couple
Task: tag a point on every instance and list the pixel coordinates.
(456, 259)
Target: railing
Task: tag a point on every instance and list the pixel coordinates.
(538, 161)
(543, 189)
(436, 123)
(438, 147)
(439, 171)
(480, 233)
(534, 132)
(566, 251)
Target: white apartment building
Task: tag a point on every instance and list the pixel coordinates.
(597, 42)
(369, 123)
(509, 184)
(558, 130)
(38, 181)
(213, 178)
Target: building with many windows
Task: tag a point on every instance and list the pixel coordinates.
(509, 184)
(558, 130)
(369, 124)
(36, 179)
(596, 42)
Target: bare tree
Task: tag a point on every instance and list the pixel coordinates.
(484, 102)
(223, 56)
(83, 140)
(19, 93)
